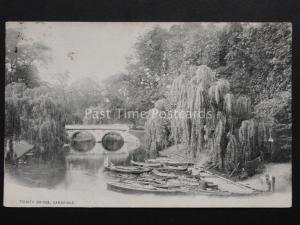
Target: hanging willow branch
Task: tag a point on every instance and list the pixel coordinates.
(232, 156)
(224, 128)
(157, 131)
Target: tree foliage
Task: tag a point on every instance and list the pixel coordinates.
(251, 62)
(22, 58)
(34, 115)
(210, 119)
(258, 59)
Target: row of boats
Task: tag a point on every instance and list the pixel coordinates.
(159, 166)
(161, 176)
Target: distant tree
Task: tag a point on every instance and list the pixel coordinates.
(82, 94)
(147, 69)
(258, 59)
(22, 57)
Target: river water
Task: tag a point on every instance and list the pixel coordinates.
(79, 180)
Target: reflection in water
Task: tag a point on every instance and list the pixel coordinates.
(39, 172)
(85, 172)
(75, 170)
(71, 171)
(88, 164)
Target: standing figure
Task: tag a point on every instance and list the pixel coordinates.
(268, 182)
(261, 156)
(273, 183)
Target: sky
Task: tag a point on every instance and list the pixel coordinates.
(85, 49)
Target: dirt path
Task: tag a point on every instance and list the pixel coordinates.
(282, 173)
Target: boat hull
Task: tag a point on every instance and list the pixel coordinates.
(139, 190)
(130, 189)
(152, 165)
(128, 171)
(164, 175)
(169, 169)
(179, 164)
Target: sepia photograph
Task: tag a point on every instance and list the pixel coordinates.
(148, 114)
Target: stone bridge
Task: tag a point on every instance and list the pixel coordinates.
(131, 142)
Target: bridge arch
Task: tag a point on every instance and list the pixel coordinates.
(131, 142)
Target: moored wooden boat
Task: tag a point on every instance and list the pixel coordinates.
(171, 163)
(152, 180)
(166, 185)
(159, 160)
(127, 169)
(173, 169)
(153, 165)
(138, 188)
(164, 175)
(160, 183)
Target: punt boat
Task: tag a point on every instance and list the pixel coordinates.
(152, 165)
(127, 169)
(164, 175)
(142, 188)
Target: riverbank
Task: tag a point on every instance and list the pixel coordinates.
(281, 171)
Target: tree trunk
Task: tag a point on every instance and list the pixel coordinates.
(10, 153)
(11, 145)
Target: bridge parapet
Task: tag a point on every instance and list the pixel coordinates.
(98, 131)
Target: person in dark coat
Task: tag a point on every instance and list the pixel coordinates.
(268, 182)
(273, 183)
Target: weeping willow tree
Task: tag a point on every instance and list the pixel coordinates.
(44, 119)
(210, 118)
(34, 115)
(157, 128)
